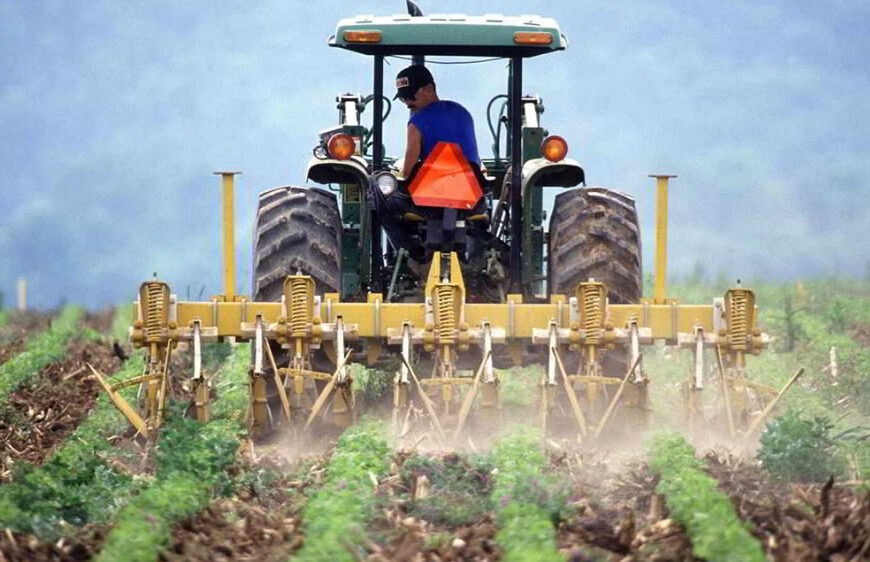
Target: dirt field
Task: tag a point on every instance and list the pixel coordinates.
(611, 509)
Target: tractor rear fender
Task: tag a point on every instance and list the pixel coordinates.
(354, 171)
(542, 172)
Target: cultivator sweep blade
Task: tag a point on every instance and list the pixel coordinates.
(440, 334)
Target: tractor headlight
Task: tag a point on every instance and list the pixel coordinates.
(386, 182)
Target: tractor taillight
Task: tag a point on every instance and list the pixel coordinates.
(341, 146)
(362, 36)
(533, 38)
(554, 148)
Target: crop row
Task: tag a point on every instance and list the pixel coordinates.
(191, 462)
(41, 350)
(717, 534)
(521, 495)
(75, 485)
(332, 516)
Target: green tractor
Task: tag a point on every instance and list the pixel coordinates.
(335, 236)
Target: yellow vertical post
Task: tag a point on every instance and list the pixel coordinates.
(229, 246)
(659, 288)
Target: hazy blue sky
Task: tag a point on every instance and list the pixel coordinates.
(114, 114)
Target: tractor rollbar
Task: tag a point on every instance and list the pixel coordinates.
(516, 214)
(377, 165)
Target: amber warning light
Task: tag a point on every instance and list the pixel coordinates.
(533, 38)
(362, 36)
(341, 146)
(554, 148)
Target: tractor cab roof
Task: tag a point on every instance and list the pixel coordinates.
(450, 34)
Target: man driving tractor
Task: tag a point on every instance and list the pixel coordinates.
(433, 121)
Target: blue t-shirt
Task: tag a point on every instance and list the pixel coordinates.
(446, 121)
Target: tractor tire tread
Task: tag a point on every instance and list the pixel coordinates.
(594, 234)
(298, 229)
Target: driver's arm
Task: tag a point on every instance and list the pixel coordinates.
(413, 147)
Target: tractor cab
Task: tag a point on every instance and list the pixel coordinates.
(445, 205)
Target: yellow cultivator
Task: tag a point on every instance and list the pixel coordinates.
(577, 329)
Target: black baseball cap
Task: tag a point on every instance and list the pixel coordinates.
(411, 79)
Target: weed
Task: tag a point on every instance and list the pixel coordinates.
(459, 489)
(794, 448)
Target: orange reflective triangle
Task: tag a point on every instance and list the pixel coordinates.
(446, 180)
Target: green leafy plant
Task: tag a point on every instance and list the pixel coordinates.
(370, 385)
(41, 351)
(75, 485)
(144, 526)
(795, 448)
(191, 463)
(787, 323)
(214, 355)
(122, 320)
(838, 316)
(459, 487)
(717, 534)
(343, 504)
(525, 501)
(518, 385)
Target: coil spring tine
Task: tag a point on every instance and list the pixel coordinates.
(298, 306)
(592, 310)
(738, 319)
(446, 315)
(154, 313)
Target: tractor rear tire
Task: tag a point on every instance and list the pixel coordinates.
(298, 230)
(594, 234)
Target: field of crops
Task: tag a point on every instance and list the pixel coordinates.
(76, 485)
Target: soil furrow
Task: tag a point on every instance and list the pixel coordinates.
(798, 522)
(617, 514)
(41, 414)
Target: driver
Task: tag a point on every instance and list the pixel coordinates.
(432, 120)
